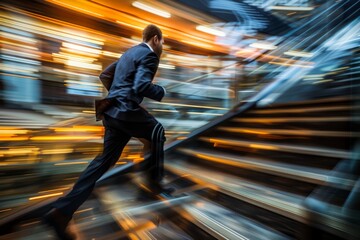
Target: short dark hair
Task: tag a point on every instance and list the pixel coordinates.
(150, 31)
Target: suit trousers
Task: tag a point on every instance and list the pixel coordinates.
(117, 135)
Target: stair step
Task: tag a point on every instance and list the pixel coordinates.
(301, 173)
(139, 215)
(300, 132)
(224, 223)
(304, 109)
(326, 152)
(317, 101)
(283, 203)
(295, 119)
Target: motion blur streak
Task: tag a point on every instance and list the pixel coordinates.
(261, 117)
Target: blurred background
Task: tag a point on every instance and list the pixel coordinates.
(261, 117)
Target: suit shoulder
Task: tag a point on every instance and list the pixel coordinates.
(138, 50)
(151, 55)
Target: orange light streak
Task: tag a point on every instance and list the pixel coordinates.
(46, 196)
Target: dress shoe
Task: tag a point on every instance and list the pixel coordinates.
(59, 222)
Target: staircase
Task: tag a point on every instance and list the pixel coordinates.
(272, 165)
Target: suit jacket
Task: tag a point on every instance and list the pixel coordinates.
(107, 76)
(132, 81)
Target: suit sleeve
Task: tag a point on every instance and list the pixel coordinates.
(143, 78)
(107, 76)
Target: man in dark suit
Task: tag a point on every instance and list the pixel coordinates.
(123, 118)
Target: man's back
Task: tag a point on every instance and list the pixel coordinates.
(132, 82)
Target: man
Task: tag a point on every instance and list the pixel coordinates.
(123, 118)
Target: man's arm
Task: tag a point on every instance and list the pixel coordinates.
(143, 78)
(107, 76)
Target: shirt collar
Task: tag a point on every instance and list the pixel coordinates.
(149, 47)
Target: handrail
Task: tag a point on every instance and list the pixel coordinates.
(191, 80)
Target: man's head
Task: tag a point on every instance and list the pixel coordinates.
(152, 35)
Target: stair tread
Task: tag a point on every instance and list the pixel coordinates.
(281, 202)
(302, 132)
(229, 224)
(302, 173)
(320, 151)
(304, 109)
(317, 101)
(295, 119)
(136, 213)
(285, 204)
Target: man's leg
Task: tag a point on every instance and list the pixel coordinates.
(63, 209)
(150, 132)
(114, 143)
(152, 135)
(156, 169)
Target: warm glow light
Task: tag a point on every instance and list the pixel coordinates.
(64, 138)
(217, 159)
(82, 48)
(69, 72)
(211, 31)
(84, 65)
(266, 147)
(199, 44)
(74, 57)
(111, 54)
(77, 52)
(80, 9)
(129, 25)
(19, 45)
(13, 138)
(240, 130)
(69, 163)
(56, 189)
(80, 129)
(57, 151)
(19, 151)
(83, 210)
(89, 111)
(181, 58)
(46, 196)
(166, 66)
(121, 163)
(151, 9)
(13, 131)
(47, 28)
(83, 83)
(181, 138)
(177, 132)
(5, 210)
